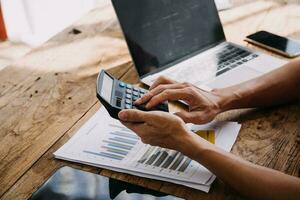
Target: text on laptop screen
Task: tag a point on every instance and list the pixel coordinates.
(160, 32)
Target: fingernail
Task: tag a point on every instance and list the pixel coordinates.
(122, 115)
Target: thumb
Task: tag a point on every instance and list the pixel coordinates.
(132, 115)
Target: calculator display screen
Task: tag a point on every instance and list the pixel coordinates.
(107, 86)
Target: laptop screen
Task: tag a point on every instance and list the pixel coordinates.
(162, 32)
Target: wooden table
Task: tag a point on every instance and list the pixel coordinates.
(49, 93)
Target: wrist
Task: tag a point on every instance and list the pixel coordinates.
(192, 145)
(227, 99)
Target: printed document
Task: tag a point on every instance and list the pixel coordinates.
(104, 142)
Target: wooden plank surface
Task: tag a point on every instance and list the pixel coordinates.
(47, 95)
(48, 91)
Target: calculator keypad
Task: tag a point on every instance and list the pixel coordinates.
(132, 94)
(119, 95)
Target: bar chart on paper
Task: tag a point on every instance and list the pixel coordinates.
(116, 145)
(106, 143)
(165, 159)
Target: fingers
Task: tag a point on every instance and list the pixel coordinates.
(162, 80)
(193, 117)
(133, 115)
(145, 98)
(161, 88)
(169, 94)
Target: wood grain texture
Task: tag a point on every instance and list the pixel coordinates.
(48, 95)
(47, 91)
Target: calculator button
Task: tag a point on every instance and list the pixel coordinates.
(118, 102)
(128, 91)
(128, 101)
(135, 98)
(142, 91)
(128, 106)
(136, 89)
(121, 84)
(135, 94)
(128, 96)
(129, 86)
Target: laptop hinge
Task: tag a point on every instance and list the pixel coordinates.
(182, 59)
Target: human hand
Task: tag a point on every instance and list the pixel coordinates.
(203, 105)
(158, 128)
(162, 80)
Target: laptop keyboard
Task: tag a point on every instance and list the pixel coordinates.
(230, 57)
(201, 69)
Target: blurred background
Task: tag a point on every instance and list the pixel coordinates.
(26, 24)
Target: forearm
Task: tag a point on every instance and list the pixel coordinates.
(250, 180)
(277, 87)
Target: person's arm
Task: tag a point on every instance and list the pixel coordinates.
(250, 180)
(253, 181)
(276, 87)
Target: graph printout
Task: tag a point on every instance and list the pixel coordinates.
(106, 143)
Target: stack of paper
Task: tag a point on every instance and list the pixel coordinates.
(104, 142)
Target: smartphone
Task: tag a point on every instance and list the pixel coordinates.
(69, 184)
(278, 44)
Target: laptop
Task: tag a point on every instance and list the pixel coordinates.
(184, 40)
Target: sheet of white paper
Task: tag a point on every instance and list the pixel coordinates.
(202, 187)
(223, 4)
(104, 142)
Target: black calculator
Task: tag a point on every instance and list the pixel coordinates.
(116, 95)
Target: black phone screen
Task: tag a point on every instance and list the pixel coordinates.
(72, 184)
(283, 44)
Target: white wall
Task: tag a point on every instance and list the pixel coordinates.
(36, 21)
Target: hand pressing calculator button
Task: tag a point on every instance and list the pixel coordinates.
(116, 95)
